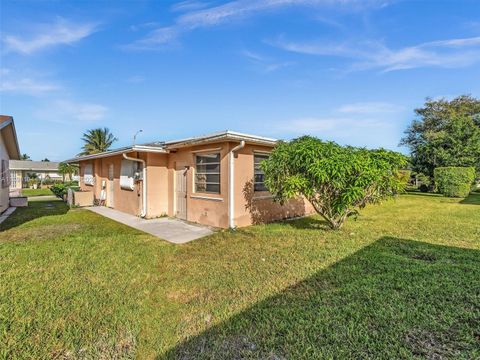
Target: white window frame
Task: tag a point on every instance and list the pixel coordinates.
(88, 175)
(259, 171)
(208, 173)
(128, 170)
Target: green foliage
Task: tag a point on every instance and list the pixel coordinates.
(404, 176)
(59, 190)
(24, 157)
(424, 188)
(336, 180)
(454, 181)
(97, 141)
(32, 182)
(67, 169)
(446, 133)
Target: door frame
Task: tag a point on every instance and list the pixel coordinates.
(111, 186)
(180, 166)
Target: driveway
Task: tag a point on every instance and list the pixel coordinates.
(171, 230)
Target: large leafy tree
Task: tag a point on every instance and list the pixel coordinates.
(445, 133)
(337, 180)
(97, 141)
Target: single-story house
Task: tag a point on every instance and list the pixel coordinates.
(8, 150)
(214, 180)
(22, 170)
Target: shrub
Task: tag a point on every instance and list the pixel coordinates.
(424, 188)
(32, 182)
(59, 190)
(48, 181)
(336, 180)
(454, 181)
(404, 176)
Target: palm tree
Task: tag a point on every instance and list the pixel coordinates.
(97, 141)
(67, 169)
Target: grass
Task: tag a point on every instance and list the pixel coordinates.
(36, 192)
(400, 282)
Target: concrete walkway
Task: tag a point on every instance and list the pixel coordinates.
(172, 230)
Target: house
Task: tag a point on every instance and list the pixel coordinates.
(214, 180)
(8, 150)
(22, 170)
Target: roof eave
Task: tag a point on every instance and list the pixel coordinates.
(3, 125)
(137, 148)
(223, 137)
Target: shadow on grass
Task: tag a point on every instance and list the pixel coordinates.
(393, 299)
(472, 199)
(36, 209)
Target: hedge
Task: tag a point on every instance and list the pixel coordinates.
(454, 181)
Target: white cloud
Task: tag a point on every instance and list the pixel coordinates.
(450, 53)
(231, 11)
(62, 32)
(265, 63)
(68, 111)
(188, 5)
(369, 108)
(17, 83)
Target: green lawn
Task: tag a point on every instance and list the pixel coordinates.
(400, 282)
(36, 192)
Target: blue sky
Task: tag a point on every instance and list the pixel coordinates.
(348, 70)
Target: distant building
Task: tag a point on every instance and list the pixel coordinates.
(21, 171)
(8, 150)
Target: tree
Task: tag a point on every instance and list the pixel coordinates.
(446, 133)
(25, 157)
(97, 141)
(67, 169)
(336, 180)
(46, 160)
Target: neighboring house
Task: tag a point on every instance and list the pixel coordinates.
(8, 150)
(214, 180)
(21, 170)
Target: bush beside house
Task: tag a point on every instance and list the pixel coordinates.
(454, 181)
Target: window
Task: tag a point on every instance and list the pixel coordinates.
(207, 174)
(88, 178)
(259, 176)
(5, 174)
(13, 177)
(127, 175)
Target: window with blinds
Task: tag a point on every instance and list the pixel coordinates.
(259, 175)
(207, 173)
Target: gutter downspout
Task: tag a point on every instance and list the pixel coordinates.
(231, 208)
(144, 187)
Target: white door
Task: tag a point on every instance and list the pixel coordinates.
(181, 192)
(110, 194)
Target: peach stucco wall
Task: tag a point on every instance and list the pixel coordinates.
(210, 209)
(203, 208)
(124, 200)
(253, 207)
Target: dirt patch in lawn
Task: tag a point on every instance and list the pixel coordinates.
(41, 233)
